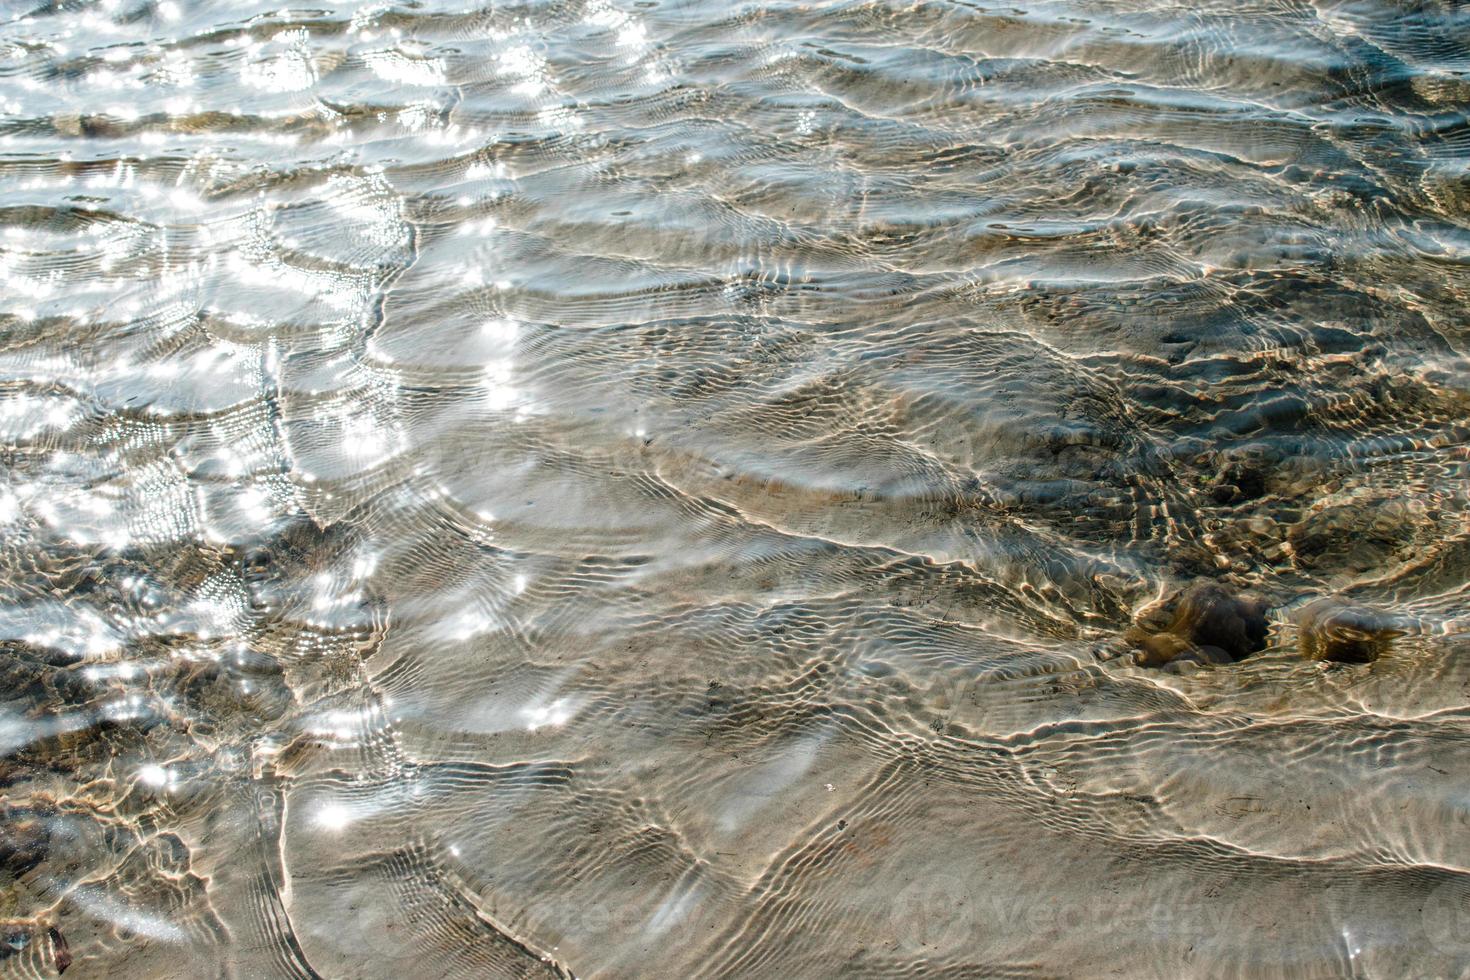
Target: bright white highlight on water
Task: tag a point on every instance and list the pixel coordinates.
(333, 817)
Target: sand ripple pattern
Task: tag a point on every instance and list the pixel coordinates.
(653, 489)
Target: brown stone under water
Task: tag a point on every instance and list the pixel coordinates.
(1343, 632)
(1206, 623)
(1210, 623)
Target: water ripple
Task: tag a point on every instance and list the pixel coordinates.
(585, 487)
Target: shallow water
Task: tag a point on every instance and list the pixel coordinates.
(672, 489)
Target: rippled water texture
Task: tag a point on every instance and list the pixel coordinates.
(637, 489)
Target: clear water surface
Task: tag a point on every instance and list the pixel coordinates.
(698, 489)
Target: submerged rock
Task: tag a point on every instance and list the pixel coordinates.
(60, 948)
(1207, 623)
(1354, 535)
(24, 840)
(1244, 473)
(1343, 632)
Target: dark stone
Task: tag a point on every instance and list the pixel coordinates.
(1342, 632)
(1211, 615)
(1244, 472)
(60, 949)
(1225, 493)
(24, 840)
(1207, 623)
